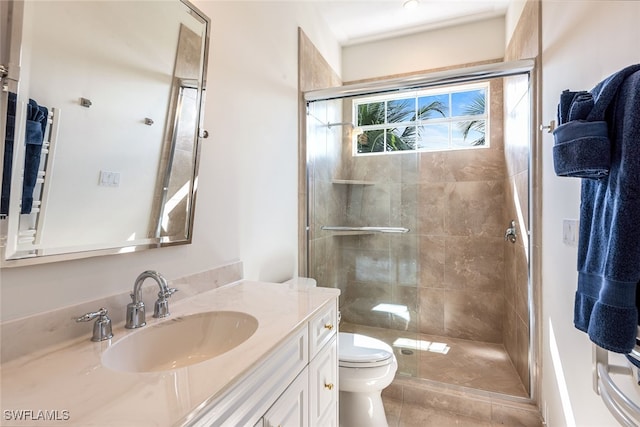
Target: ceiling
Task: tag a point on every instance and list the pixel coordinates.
(361, 21)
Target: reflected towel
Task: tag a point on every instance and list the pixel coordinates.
(36, 125)
(34, 136)
(8, 153)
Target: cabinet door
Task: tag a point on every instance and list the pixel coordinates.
(323, 386)
(291, 408)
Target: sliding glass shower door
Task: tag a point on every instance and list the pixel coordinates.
(363, 213)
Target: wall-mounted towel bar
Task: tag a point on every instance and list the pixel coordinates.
(31, 227)
(366, 229)
(625, 410)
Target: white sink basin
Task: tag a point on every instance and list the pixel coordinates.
(180, 341)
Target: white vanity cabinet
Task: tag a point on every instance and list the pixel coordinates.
(285, 374)
(291, 408)
(297, 385)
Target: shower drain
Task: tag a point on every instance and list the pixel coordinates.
(406, 351)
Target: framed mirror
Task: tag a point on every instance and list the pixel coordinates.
(102, 116)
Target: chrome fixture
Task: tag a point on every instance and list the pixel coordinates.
(510, 234)
(102, 327)
(85, 102)
(4, 72)
(136, 310)
(621, 406)
(366, 229)
(330, 125)
(550, 127)
(420, 81)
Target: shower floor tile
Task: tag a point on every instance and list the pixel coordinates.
(477, 365)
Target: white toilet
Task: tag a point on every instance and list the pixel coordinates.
(366, 366)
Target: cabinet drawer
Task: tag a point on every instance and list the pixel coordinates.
(322, 327)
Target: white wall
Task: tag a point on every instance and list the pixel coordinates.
(583, 42)
(444, 47)
(512, 16)
(246, 207)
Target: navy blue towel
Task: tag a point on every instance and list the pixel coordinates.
(582, 148)
(609, 238)
(36, 125)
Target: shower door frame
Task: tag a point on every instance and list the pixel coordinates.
(434, 79)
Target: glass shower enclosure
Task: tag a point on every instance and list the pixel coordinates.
(415, 240)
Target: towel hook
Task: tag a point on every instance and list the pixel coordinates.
(550, 127)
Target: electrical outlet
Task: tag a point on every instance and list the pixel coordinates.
(570, 232)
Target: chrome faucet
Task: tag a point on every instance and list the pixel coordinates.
(136, 310)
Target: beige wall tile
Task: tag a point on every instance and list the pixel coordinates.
(475, 208)
(432, 261)
(474, 263)
(474, 315)
(481, 164)
(431, 315)
(432, 204)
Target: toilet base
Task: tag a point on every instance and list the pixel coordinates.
(362, 409)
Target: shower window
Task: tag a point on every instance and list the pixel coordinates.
(450, 118)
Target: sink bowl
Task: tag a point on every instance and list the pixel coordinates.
(180, 341)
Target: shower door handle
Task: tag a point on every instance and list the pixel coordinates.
(510, 234)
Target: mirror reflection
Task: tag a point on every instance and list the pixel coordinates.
(105, 122)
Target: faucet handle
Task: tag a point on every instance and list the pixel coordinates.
(102, 326)
(166, 294)
(161, 307)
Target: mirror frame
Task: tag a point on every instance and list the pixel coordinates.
(12, 14)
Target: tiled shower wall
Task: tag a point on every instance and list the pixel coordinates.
(446, 275)
(315, 73)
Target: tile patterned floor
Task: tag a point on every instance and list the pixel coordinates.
(401, 414)
(413, 415)
(477, 365)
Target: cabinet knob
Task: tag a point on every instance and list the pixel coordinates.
(329, 386)
(328, 326)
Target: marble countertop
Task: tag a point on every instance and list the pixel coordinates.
(68, 385)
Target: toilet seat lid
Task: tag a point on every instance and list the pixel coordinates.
(361, 349)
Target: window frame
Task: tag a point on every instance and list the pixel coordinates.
(415, 95)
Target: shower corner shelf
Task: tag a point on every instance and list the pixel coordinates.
(352, 182)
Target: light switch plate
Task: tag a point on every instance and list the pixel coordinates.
(570, 232)
(109, 179)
